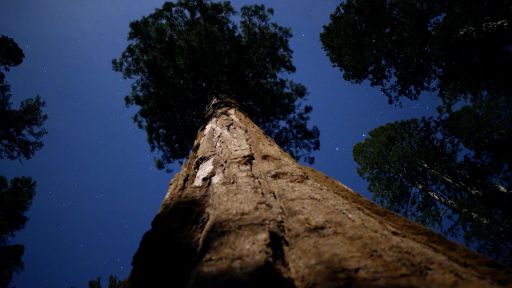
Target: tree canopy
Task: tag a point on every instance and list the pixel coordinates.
(10, 55)
(416, 168)
(457, 48)
(20, 129)
(15, 199)
(189, 52)
(20, 137)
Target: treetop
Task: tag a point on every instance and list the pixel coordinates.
(186, 53)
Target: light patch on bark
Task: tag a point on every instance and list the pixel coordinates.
(204, 170)
(217, 178)
(231, 113)
(206, 131)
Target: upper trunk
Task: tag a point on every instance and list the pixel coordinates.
(243, 213)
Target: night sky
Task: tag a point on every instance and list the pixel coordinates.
(97, 187)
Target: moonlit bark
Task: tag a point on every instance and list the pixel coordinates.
(243, 213)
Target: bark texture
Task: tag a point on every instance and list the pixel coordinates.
(243, 213)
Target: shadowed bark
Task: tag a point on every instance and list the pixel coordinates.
(243, 213)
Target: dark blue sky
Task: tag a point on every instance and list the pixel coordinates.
(97, 188)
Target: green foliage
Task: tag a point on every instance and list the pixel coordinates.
(417, 168)
(187, 53)
(458, 48)
(113, 282)
(390, 159)
(20, 133)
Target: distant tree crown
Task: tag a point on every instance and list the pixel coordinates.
(460, 49)
(10, 54)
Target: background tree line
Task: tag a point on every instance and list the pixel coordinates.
(21, 130)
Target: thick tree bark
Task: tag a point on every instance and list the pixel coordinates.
(243, 213)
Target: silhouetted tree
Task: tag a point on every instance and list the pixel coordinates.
(188, 53)
(20, 133)
(457, 48)
(20, 129)
(15, 199)
(10, 55)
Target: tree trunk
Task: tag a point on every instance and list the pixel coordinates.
(243, 213)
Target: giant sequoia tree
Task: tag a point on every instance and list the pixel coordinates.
(454, 171)
(20, 134)
(242, 212)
